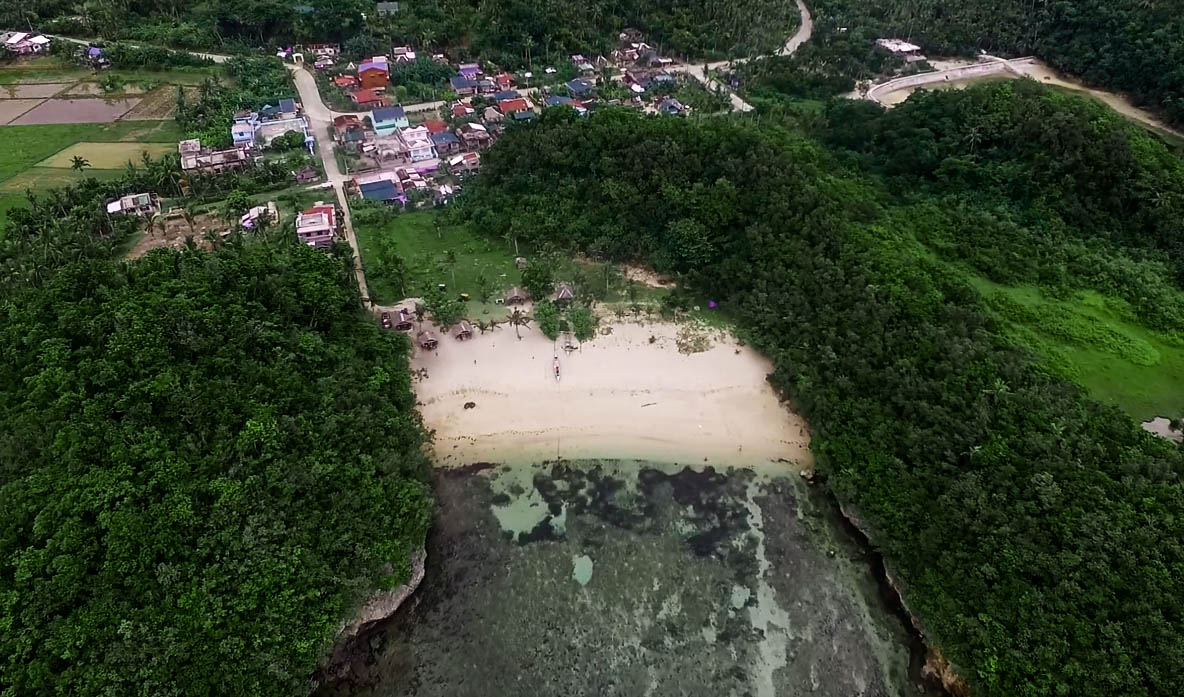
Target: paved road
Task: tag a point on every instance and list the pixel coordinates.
(320, 121)
(697, 71)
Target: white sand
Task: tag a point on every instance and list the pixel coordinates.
(620, 396)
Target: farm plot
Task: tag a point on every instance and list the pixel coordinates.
(76, 111)
(33, 91)
(12, 108)
(106, 155)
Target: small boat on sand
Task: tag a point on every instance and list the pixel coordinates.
(556, 363)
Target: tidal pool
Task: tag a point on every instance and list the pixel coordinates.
(634, 578)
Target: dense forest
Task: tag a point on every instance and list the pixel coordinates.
(210, 458)
(1036, 532)
(508, 32)
(1135, 46)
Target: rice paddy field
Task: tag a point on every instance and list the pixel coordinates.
(636, 578)
(39, 157)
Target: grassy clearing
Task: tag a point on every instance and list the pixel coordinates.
(433, 253)
(1091, 339)
(106, 155)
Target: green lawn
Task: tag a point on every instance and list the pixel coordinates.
(1094, 340)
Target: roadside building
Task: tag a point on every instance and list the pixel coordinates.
(383, 190)
(26, 44)
(368, 99)
(322, 50)
(346, 82)
(559, 100)
(469, 70)
(374, 73)
(404, 320)
(509, 106)
(435, 127)
(195, 158)
(349, 132)
(465, 162)
(387, 120)
(461, 110)
(317, 226)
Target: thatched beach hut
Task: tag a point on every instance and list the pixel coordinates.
(427, 340)
(405, 321)
(564, 293)
(463, 331)
(516, 296)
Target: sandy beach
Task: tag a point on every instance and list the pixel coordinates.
(619, 396)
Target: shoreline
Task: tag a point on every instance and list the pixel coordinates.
(640, 390)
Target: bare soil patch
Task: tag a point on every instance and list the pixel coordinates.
(159, 104)
(175, 232)
(77, 111)
(12, 108)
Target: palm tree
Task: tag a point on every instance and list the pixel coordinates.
(518, 319)
(79, 163)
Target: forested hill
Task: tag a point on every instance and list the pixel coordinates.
(1135, 46)
(208, 461)
(507, 32)
(1038, 534)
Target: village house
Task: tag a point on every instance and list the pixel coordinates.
(144, 205)
(465, 162)
(94, 56)
(435, 126)
(910, 52)
(463, 86)
(564, 294)
(385, 9)
(384, 190)
(558, 100)
(404, 320)
(374, 73)
(509, 106)
(580, 87)
(523, 116)
(349, 132)
(672, 107)
(306, 174)
(323, 63)
(346, 82)
(322, 50)
(368, 99)
(463, 331)
(427, 340)
(387, 120)
(469, 70)
(504, 81)
(492, 115)
(257, 214)
(402, 54)
(486, 86)
(195, 158)
(473, 135)
(446, 143)
(25, 43)
(317, 226)
(418, 141)
(411, 180)
(506, 94)
(461, 110)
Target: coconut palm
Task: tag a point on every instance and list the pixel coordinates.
(79, 163)
(518, 319)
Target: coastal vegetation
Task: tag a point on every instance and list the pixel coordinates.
(1035, 532)
(210, 458)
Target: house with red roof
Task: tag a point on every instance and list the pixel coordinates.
(346, 82)
(435, 126)
(368, 99)
(317, 226)
(509, 106)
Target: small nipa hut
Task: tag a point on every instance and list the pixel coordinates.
(405, 322)
(516, 296)
(463, 331)
(564, 293)
(427, 340)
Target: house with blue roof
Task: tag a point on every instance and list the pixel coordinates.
(558, 100)
(388, 120)
(580, 87)
(463, 85)
(506, 94)
(383, 190)
(446, 142)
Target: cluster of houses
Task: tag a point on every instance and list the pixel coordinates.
(256, 129)
(21, 43)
